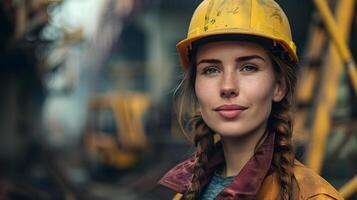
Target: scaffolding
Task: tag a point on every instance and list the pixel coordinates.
(320, 79)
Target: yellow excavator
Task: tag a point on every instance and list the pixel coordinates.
(114, 134)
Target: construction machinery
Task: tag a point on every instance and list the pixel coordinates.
(114, 134)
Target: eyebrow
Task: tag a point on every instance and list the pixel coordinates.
(210, 61)
(246, 58)
(240, 59)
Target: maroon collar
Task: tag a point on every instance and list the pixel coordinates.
(246, 184)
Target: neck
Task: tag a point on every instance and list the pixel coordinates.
(237, 151)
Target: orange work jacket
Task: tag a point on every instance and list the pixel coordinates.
(307, 185)
(257, 179)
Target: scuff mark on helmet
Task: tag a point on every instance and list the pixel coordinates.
(276, 15)
(228, 6)
(208, 14)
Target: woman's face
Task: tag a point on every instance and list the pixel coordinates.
(235, 87)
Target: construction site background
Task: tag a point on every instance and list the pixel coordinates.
(87, 95)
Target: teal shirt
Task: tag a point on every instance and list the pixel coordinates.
(215, 186)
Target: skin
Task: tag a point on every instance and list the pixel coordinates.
(237, 73)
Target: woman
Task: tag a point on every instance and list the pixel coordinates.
(240, 68)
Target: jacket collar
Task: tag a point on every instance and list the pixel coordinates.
(245, 185)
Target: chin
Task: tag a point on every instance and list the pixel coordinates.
(227, 131)
(236, 129)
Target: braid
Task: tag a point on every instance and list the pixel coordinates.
(204, 143)
(280, 122)
(284, 155)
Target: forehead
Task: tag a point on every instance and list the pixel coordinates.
(234, 47)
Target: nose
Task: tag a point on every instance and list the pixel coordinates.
(229, 86)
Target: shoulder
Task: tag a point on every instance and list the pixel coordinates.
(178, 178)
(312, 186)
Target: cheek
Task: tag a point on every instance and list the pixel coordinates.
(207, 93)
(204, 92)
(259, 92)
(201, 92)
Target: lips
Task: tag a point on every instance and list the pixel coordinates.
(230, 111)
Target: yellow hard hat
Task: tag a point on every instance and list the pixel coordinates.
(258, 18)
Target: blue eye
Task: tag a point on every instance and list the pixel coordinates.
(249, 68)
(210, 70)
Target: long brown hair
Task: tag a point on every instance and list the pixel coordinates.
(280, 122)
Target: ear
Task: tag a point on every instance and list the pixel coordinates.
(279, 90)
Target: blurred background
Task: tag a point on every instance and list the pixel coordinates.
(87, 108)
